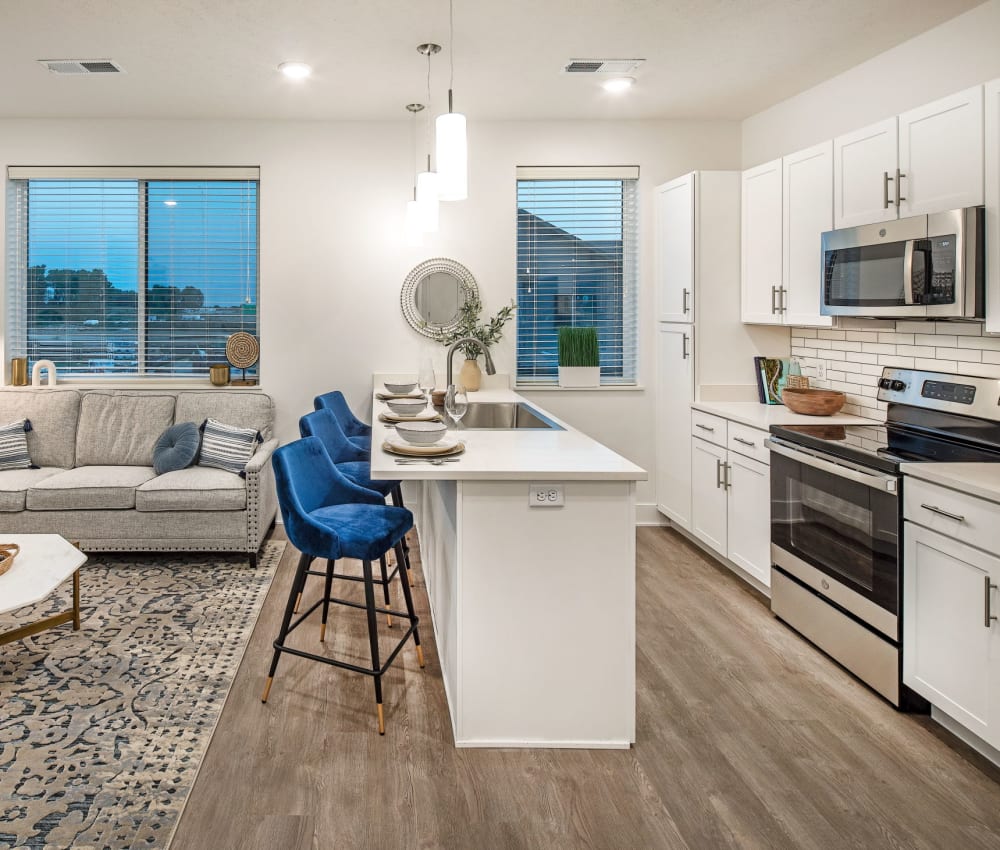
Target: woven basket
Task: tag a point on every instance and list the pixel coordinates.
(797, 382)
(8, 552)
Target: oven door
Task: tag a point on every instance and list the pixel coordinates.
(835, 527)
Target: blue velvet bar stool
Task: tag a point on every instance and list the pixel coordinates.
(354, 464)
(357, 431)
(328, 516)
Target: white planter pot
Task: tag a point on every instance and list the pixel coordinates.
(579, 376)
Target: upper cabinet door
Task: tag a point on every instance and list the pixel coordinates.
(675, 249)
(941, 154)
(760, 244)
(864, 175)
(808, 213)
(993, 207)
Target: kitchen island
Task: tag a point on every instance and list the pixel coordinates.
(533, 604)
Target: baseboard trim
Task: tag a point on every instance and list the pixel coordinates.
(987, 751)
(646, 513)
(486, 743)
(754, 582)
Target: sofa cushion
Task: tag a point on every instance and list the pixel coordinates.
(120, 429)
(176, 448)
(242, 408)
(14, 445)
(197, 488)
(89, 488)
(227, 447)
(54, 414)
(15, 483)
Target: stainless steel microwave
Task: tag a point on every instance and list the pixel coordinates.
(923, 267)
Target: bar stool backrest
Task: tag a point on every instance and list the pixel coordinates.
(335, 402)
(324, 425)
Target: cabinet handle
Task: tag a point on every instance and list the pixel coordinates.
(726, 482)
(937, 510)
(885, 190)
(783, 307)
(899, 186)
(684, 347)
(719, 482)
(774, 295)
(745, 442)
(685, 294)
(704, 427)
(988, 618)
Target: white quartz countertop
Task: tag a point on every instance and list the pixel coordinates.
(976, 479)
(543, 455)
(765, 415)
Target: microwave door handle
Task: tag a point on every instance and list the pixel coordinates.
(911, 246)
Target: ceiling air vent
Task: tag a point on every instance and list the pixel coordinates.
(602, 66)
(82, 66)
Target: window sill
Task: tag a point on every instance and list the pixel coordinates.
(123, 384)
(555, 388)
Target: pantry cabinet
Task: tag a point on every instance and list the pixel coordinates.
(675, 249)
(674, 392)
(760, 229)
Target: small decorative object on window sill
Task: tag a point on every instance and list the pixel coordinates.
(19, 371)
(218, 374)
(579, 358)
(242, 352)
(8, 552)
(50, 371)
(487, 333)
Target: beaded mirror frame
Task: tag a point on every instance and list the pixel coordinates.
(419, 273)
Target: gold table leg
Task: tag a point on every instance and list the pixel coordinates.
(71, 616)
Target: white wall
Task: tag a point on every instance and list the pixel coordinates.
(332, 259)
(957, 54)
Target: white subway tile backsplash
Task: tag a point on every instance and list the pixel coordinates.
(991, 343)
(964, 328)
(895, 360)
(825, 334)
(915, 350)
(983, 370)
(935, 365)
(958, 354)
(991, 357)
(863, 336)
(915, 327)
(808, 333)
(930, 339)
(861, 357)
(822, 343)
(891, 336)
(878, 348)
(848, 346)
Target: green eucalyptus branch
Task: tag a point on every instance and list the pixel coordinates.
(488, 333)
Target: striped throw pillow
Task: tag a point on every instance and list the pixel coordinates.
(14, 445)
(226, 447)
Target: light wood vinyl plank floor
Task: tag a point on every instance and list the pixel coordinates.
(747, 737)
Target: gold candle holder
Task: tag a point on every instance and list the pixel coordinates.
(19, 371)
(218, 374)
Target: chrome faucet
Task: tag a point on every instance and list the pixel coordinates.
(467, 340)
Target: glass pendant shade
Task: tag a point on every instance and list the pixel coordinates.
(452, 157)
(412, 225)
(427, 200)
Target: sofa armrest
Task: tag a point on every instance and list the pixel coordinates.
(262, 498)
(260, 457)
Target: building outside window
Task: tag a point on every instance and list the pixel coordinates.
(577, 266)
(131, 273)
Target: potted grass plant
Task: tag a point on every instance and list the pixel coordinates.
(579, 358)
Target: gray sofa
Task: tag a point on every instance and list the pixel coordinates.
(96, 485)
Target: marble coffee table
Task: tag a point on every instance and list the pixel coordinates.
(44, 562)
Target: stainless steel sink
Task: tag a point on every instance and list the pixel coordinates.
(504, 416)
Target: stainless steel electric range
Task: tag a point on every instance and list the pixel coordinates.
(836, 515)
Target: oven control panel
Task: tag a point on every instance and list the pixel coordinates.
(947, 391)
(966, 394)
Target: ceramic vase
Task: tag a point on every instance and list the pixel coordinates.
(471, 376)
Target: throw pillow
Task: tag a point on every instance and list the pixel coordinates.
(14, 445)
(176, 448)
(227, 447)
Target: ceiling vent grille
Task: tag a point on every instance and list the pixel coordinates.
(82, 66)
(602, 66)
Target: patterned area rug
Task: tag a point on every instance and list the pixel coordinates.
(102, 731)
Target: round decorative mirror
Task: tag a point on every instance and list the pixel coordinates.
(433, 294)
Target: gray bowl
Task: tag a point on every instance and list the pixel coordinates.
(421, 433)
(407, 406)
(400, 389)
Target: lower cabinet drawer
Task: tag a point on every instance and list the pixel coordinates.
(709, 427)
(748, 441)
(974, 521)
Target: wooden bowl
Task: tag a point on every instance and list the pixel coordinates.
(813, 402)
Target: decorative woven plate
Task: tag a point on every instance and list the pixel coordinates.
(445, 448)
(397, 396)
(8, 552)
(242, 350)
(390, 418)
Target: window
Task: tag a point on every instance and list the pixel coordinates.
(136, 273)
(576, 266)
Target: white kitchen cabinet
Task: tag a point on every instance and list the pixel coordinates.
(674, 392)
(941, 154)
(674, 240)
(760, 246)
(749, 516)
(864, 173)
(708, 494)
(807, 212)
(951, 647)
(992, 172)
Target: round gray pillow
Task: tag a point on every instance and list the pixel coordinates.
(176, 448)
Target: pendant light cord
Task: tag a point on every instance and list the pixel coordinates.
(451, 45)
(430, 112)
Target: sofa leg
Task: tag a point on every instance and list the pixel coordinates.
(253, 560)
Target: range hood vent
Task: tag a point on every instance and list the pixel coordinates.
(602, 66)
(76, 67)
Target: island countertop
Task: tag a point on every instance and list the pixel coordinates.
(508, 455)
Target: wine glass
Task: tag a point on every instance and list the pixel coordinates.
(456, 402)
(425, 377)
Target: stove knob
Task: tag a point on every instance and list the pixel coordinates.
(898, 386)
(884, 383)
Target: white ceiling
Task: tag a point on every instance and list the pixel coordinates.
(217, 58)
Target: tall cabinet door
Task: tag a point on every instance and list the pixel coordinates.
(749, 513)
(675, 249)
(760, 248)
(992, 170)
(864, 173)
(941, 154)
(807, 186)
(674, 394)
(950, 652)
(708, 494)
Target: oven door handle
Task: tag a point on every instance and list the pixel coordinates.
(875, 480)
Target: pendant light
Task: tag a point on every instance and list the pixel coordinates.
(412, 223)
(452, 151)
(428, 181)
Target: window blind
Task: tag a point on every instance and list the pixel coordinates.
(577, 266)
(130, 277)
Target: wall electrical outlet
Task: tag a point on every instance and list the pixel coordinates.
(546, 496)
(821, 370)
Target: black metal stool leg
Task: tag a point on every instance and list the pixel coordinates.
(397, 500)
(327, 590)
(385, 590)
(408, 597)
(297, 584)
(373, 640)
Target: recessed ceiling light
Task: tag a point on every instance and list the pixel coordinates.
(295, 70)
(170, 203)
(618, 84)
